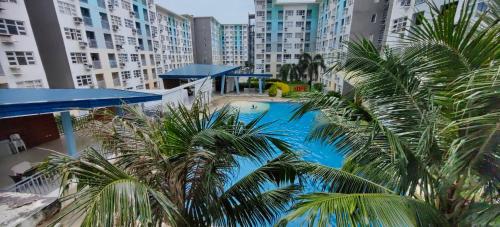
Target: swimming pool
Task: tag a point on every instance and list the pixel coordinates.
(293, 132)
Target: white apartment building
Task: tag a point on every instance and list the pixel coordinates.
(343, 20)
(96, 44)
(234, 44)
(173, 44)
(283, 31)
(20, 62)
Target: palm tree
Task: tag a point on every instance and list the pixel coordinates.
(285, 72)
(178, 169)
(305, 60)
(424, 145)
(313, 68)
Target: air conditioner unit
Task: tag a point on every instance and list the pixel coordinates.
(110, 7)
(82, 44)
(7, 39)
(137, 48)
(87, 66)
(15, 68)
(77, 20)
(115, 27)
(118, 46)
(139, 64)
(132, 14)
(122, 64)
(134, 31)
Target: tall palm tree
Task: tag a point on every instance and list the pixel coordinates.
(424, 145)
(305, 60)
(313, 68)
(285, 72)
(179, 169)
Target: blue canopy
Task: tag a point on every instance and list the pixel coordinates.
(27, 101)
(195, 71)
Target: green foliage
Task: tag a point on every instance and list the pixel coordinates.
(318, 87)
(177, 168)
(423, 124)
(273, 91)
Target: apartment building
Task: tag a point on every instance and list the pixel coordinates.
(343, 20)
(96, 43)
(20, 62)
(234, 44)
(251, 40)
(173, 41)
(283, 31)
(207, 41)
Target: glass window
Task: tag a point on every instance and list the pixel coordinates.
(84, 80)
(66, 8)
(73, 34)
(30, 84)
(12, 27)
(78, 58)
(20, 57)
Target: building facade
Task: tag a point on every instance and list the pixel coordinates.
(173, 41)
(207, 41)
(96, 43)
(283, 31)
(234, 44)
(20, 62)
(251, 41)
(344, 20)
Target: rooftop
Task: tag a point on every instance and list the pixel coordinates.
(194, 71)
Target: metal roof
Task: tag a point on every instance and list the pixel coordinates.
(27, 101)
(194, 71)
(250, 75)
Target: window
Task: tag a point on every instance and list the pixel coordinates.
(78, 58)
(289, 12)
(298, 35)
(260, 13)
(30, 84)
(126, 5)
(129, 23)
(66, 8)
(123, 57)
(137, 73)
(20, 57)
(399, 24)
(298, 46)
(134, 57)
(301, 12)
(374, 18)
(116, 20)
(84, 80)
(288, 35)
(12, 27)
(73, 34)
(119, 39)
(132, 41)
(299, 24)
(125, 75)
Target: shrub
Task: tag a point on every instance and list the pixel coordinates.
(285, 89)
(318, 86)
(273, 91)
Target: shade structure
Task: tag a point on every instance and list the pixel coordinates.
(196, 71)
(27, 101)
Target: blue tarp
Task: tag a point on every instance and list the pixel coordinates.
(195, 71)
(27, 101)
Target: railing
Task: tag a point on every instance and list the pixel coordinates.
(87, 20)
(97, 64)
(92, 43)
(78, 122)
(101, 84)
(116, 82)
(41, 183)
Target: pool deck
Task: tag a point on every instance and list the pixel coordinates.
(219, 101)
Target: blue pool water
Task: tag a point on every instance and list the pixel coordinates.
(293, 132)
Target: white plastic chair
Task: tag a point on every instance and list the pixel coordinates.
(18, 143)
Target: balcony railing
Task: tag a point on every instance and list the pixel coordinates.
(113, 64)
(41, 183)
(97, 64)
(87, 20)
(116, 82)
(143, 62)
(101, 84)
(105, 24)
(109, 44)
(92, 43)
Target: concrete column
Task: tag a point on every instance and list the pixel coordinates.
(237, 84)
(69, 135)
(222, 85)
(260, 85)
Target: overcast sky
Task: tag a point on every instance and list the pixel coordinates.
(225, 11)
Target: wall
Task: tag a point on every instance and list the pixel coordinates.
(202, 40)
(34, 130)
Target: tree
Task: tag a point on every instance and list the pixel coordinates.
(424, 144)
(313, 68)
(305, 60)
(285, 72)
(178, 169)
